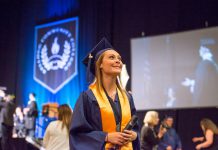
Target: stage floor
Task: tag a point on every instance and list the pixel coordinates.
(21, 144)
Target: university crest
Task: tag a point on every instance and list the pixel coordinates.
(55, 61)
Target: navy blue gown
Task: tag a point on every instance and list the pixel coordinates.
(86, 128)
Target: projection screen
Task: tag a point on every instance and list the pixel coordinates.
(176, 70)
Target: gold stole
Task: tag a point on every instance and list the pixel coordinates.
(107, 115)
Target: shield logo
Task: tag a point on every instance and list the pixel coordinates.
(55, 61)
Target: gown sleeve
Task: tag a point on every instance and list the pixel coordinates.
(86, 129)
(136, 142)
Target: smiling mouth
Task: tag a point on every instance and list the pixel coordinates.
(118, 67)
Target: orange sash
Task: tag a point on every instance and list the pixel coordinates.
(107, 115)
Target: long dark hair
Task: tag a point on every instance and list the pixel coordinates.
(64, 115)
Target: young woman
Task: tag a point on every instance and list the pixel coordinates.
(57, 133)
(210, 139)
(103, 111)
(149, 138)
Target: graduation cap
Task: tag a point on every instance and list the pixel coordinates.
(90, 60)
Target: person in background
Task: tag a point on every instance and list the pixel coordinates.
(31, 113)
(6, 119)
(19, 129)
(205, 84)
(2, 98)
(210, 139)
(149, 138)
(2, 95)
(102, 112)
(170, 140)
(57, 133)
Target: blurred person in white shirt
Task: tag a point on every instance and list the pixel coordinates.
(57, 133)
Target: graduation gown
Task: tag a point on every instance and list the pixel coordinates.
(30, 118)
(206, 84)
(86, 126)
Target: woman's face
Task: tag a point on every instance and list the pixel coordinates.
(111, 63)
(156, 121)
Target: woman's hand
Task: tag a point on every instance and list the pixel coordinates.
(116, 138)
(197, 139)
(198, 147)
(121, 138)
(129, 135)
(161, 132)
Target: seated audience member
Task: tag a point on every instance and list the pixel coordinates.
(57, 133)
(149, 138)
(170, 140)
(210, 139)
(19, 129)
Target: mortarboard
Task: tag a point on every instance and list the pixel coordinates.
(90, 60)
